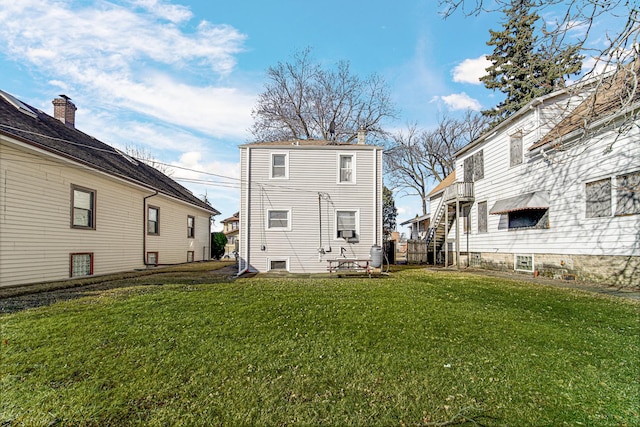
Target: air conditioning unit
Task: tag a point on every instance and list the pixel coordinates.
(347, 234)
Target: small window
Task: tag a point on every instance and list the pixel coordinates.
(153, 220)
(523, 263)
(279, 166)
(482, 217)
(346, 165)
(152, 258)
(529, 218)
(278, 265)
(81, 264)
(191, 227)
(189, 256)
(278, 220)
(347, 224)
(598, 195)
(515, 150)
(83, 202)
(628, 194)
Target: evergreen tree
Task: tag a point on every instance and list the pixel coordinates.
(389, 212)
(518, 69)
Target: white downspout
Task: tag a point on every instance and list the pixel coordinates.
(245, 247)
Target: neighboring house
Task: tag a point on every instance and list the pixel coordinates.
(72, 206)
(305, 202)
(231, 230)
(418, 227)
(540, 194)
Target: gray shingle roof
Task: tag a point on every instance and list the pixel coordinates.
(40, 130)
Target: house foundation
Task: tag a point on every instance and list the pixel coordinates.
(621, 271)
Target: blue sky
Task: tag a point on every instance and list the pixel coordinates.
(178, 79)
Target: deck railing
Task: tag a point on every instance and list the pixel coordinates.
(460, 190)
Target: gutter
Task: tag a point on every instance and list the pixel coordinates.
(144, 227)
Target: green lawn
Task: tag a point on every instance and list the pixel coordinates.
(416, 348)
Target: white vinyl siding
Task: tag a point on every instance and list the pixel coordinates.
(564, 174)
(312, 194)
(116, 243)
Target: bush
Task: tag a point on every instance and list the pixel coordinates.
(218, 241)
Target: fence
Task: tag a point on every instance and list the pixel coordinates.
(417, 252)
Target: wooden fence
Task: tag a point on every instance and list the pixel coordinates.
(417, 252)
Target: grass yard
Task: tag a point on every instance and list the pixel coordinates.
(416, 348)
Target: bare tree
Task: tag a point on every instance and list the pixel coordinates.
(304, 101)
(146, 157)
(415, 158)
(614, 60)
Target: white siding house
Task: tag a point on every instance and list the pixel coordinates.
(72, 206)
(537, 194)
(305, 202)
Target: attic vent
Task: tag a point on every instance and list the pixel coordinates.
(18, 105)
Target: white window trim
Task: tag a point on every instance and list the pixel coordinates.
(515, 262)
(286, 164)
(287, 228)
(285, 259)
(335, 224)
(353, 168)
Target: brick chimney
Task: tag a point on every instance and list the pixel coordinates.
(65, 110)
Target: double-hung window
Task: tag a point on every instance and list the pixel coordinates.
(346, 168)
(153, 220)
(279, 165)
(191, 227)
(83, 212)
(279, 220)
(347, 224)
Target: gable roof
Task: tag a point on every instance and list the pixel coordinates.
(615, 92)
(450, 179)
(33, 127)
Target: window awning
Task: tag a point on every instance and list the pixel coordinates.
(535, 200)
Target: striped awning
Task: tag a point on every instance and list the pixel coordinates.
(535, 200)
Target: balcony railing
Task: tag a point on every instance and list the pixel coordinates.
(463, 191)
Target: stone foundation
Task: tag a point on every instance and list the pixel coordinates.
(621, 271)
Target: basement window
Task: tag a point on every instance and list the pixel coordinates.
(523, 263)
(81, 264)
(278, 265)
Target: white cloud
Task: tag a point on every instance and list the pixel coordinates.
(471, 70)
(115, 55)
(461, 101)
